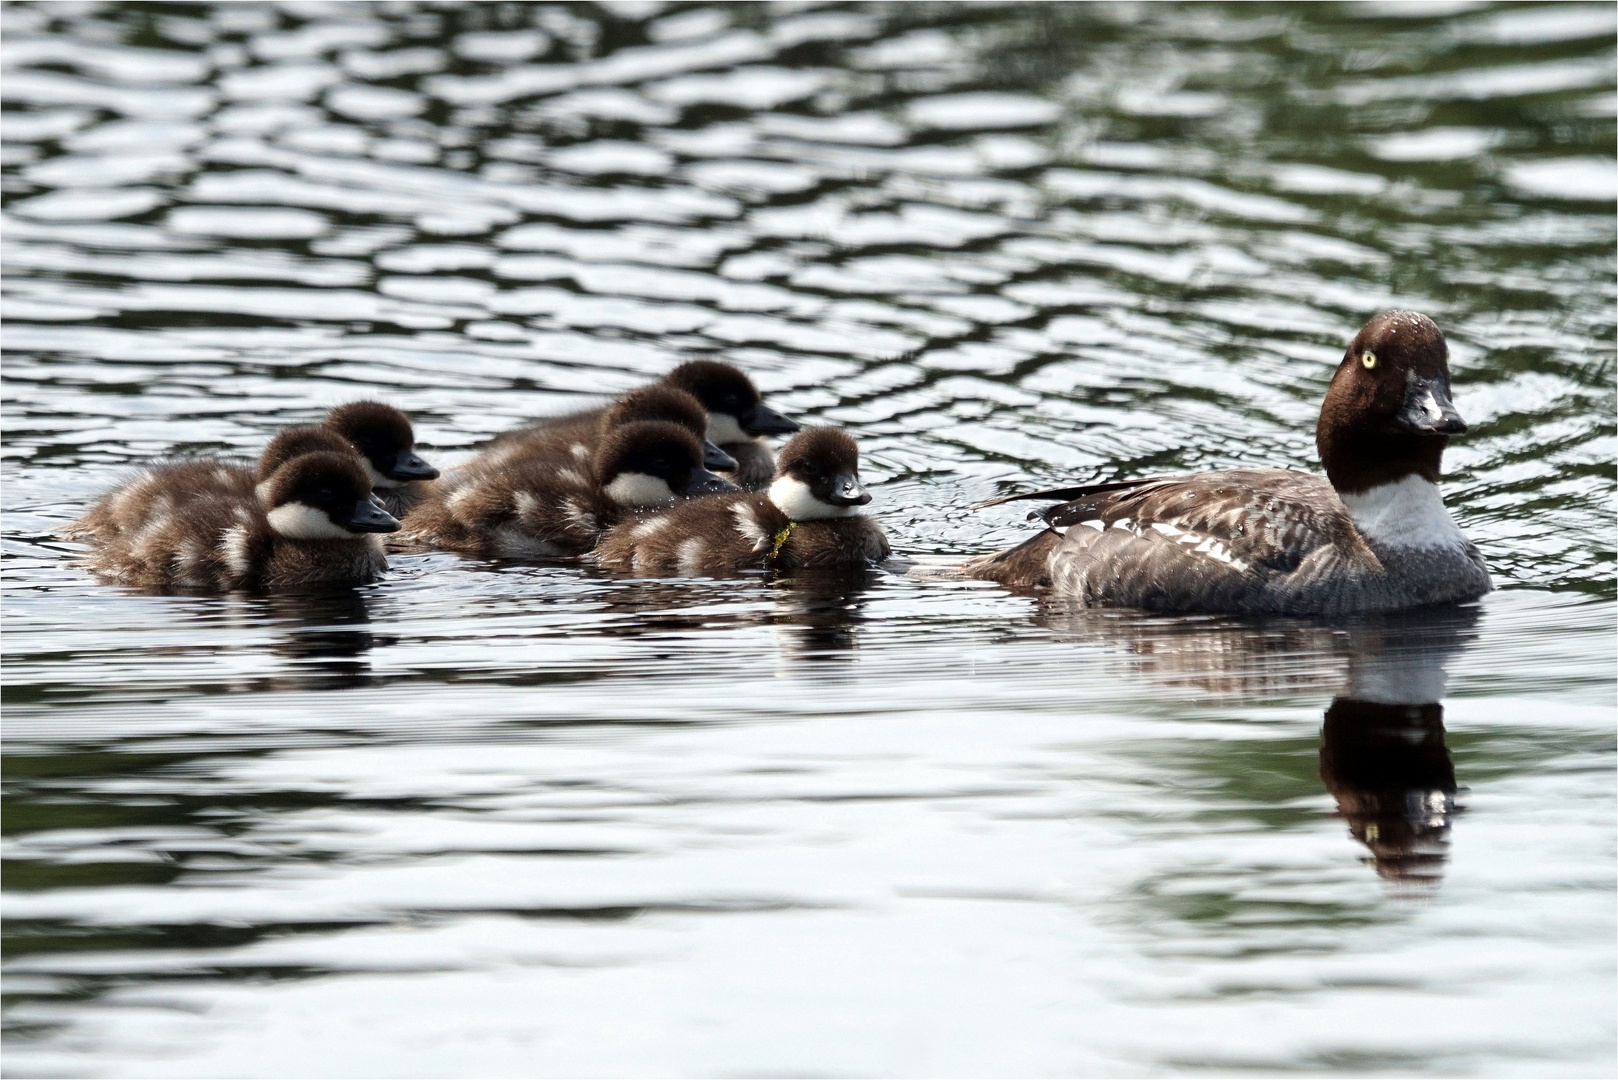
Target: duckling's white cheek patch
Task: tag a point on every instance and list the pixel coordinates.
(723, 428)
(639, 489)
(300, 521)
(799, 503)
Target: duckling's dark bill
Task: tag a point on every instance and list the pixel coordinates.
(411, 466)
(715, 458)
(369, 517)
(766, 421)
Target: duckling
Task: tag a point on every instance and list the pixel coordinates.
(528, 508)
(807, 520)
(386, 442)
(312, 523)
(155, 490)
(572, 439)
(737, 418)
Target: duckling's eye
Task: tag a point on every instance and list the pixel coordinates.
(1368, 358)
(324, 494)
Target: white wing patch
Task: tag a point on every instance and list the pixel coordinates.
(691, 555)
(1200, 544)
(748, 525)
(234, 543)
(649, 527)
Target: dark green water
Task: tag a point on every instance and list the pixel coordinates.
(505, 820)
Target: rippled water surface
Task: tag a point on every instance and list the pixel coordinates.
(524, 820)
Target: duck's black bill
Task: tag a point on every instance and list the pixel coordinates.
(703, 482)
(1427, 409)
(411, 466)
(766, 421)
(715, 458)
(368, 517)
(846, 491)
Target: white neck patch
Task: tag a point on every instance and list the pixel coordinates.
(378, 480)
(797, 502)
(723, 428)
(1407, 513)
(639, 489)
(300, 521)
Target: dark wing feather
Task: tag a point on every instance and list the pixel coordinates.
(1059, 494)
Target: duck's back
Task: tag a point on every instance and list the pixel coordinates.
(518, 505)
(156, 491)
(211, 541)
(1247, 540)
(725, 535)
(711, 536)
(845, 543)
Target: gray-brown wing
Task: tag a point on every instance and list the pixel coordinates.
(1214, 541)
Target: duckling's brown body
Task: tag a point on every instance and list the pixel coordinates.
(526, 509)
(725, 535)
(155, 492)
(572, 441)
(312, 524)
(520, 504)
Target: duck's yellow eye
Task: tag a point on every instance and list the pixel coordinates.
(1368, 358)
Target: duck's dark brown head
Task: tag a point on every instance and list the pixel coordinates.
(323, 496)
(652, 463)
(295, 442)
(384, 438)
(818, 476)
(736, 412)
(1388, 414)
(671, 404)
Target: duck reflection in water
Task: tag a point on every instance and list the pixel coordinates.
(815, 616)
(1382, 752)
(326, 636)
(1382, 755)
